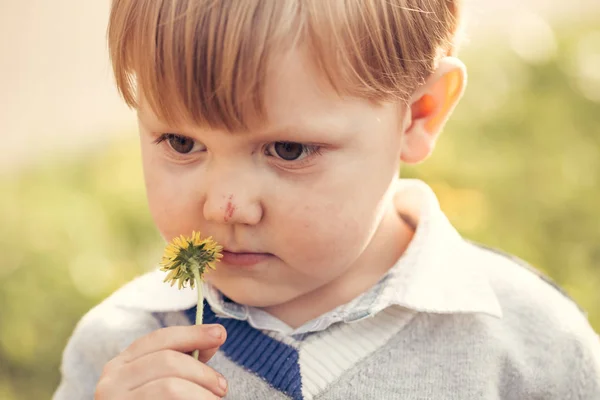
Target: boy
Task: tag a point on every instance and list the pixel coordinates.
(278, 128)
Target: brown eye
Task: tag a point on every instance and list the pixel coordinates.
(180, 144)
(289, 151)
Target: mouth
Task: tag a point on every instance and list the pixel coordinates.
(243, 258)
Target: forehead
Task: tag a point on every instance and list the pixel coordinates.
(296, 96)
(297, 90)
(208, 64)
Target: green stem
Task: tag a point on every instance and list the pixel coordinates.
(200, 306)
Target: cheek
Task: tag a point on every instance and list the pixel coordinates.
(162, 210)
(322, 240)
(168, 200)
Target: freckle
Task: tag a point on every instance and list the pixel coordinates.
(229, 210)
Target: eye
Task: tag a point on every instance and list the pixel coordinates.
(291, 151)
(179, 143)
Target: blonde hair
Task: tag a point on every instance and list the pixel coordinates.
(206, 61)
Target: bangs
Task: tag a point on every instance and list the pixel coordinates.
(206, 61)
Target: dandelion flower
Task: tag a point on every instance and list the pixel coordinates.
(186, 260)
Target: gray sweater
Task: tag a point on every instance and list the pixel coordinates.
(450, 321)
(541, 348)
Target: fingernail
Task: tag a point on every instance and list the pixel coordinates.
(223, 383)
(215, 332)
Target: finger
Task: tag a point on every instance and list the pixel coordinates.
(185, 339)
(170, 363)
(205, 355)
(172, 389)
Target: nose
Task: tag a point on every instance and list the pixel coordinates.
(232, 197)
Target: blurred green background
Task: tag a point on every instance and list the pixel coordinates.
(517, 168)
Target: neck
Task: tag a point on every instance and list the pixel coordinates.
(387, 245)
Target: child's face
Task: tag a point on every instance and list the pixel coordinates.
(313, 204)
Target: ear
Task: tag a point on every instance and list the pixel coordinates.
(429, 109)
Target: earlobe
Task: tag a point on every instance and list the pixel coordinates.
(430, 107)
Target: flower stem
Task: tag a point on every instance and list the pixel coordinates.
(200, 306)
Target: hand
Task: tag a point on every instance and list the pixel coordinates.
(156, 366)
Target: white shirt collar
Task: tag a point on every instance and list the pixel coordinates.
(438, 273)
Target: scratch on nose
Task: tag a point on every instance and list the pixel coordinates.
(229, 210)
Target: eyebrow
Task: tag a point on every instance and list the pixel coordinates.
(326, 124)
(151, 122)
(301, 133)
(313, 130)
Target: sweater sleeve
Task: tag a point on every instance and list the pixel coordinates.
(549, 349)
(561, 355)
(584, 371)
(101, 335)
(563, 358)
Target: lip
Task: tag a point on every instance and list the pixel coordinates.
(243, 259)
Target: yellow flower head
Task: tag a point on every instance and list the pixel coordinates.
(186, 256)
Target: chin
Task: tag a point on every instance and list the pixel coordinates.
(254, 300)
(254, 297)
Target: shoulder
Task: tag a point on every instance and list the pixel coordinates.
(544, 336)
(527, 295)
(133, 310)
(108, 329)
(104, 332)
